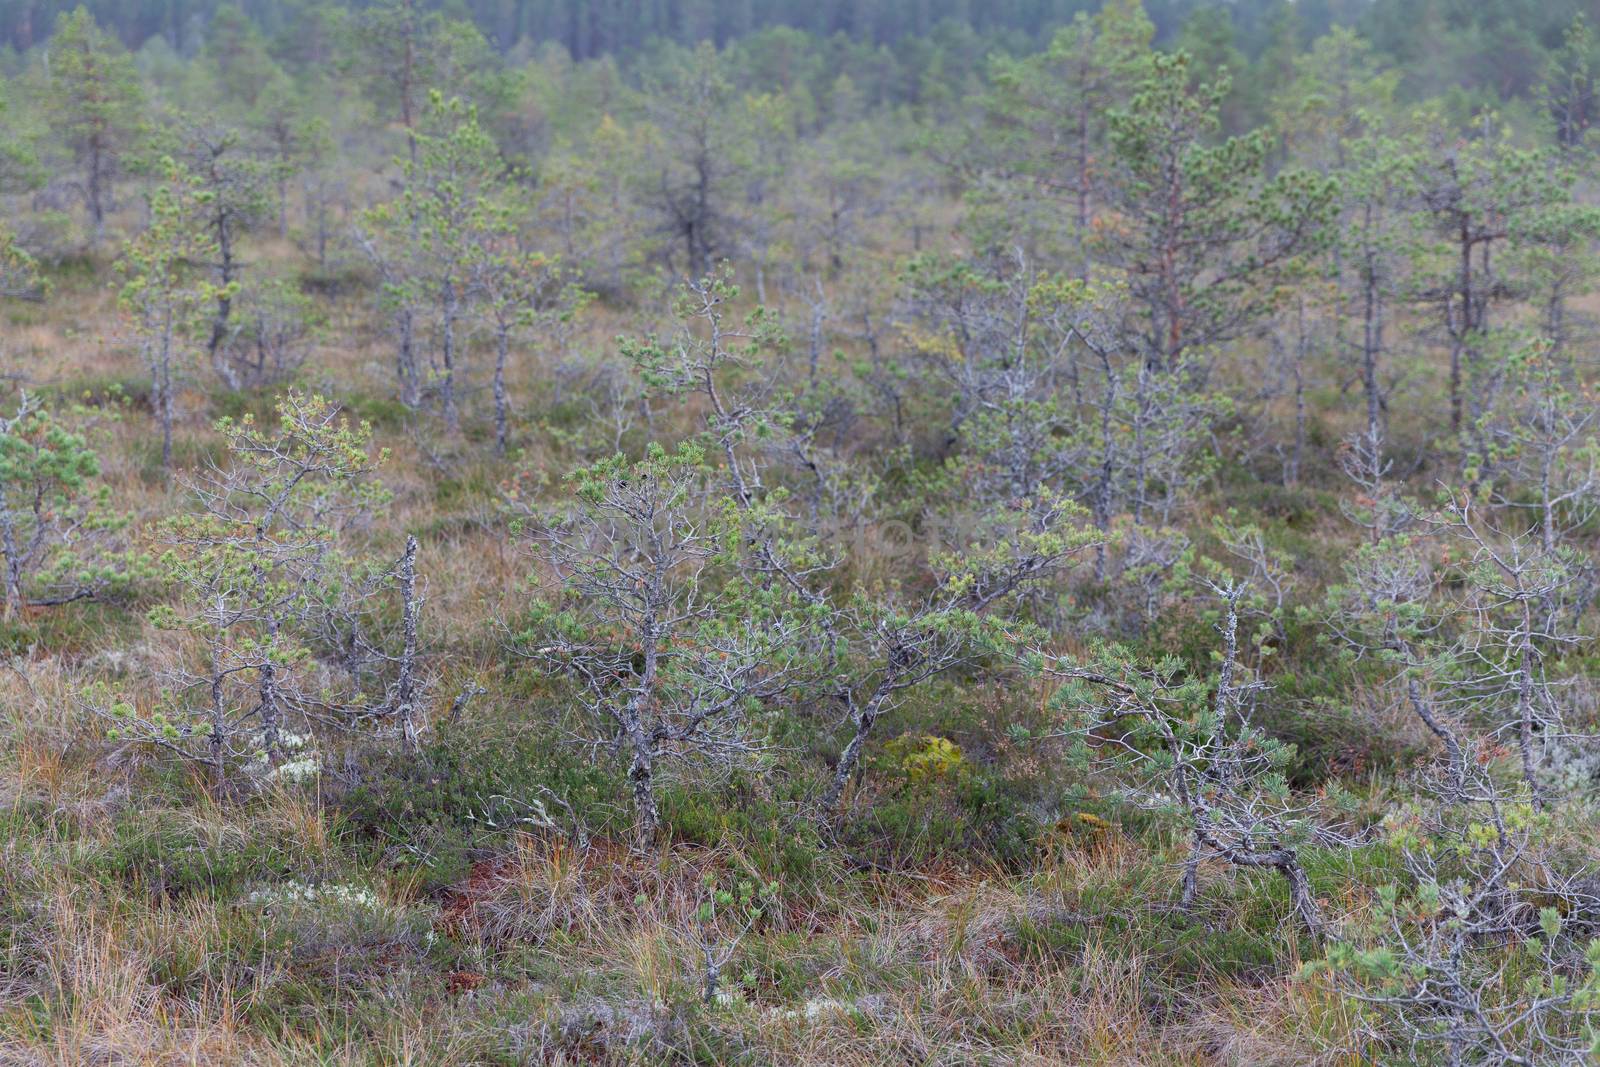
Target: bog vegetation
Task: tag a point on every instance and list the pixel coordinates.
(818, 534)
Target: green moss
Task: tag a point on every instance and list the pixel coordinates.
(383, 412)
(172, 854)
(431, 815)
(768, 832)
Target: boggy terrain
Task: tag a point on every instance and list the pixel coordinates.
(1037, 537)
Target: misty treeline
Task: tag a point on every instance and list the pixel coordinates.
(1206, 393)
(1489, 49)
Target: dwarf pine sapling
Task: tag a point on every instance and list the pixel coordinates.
(1002, 544)
(255, 567)
(1187, 745)
(1481, 950)
(521, 295)
(968, 616)
(1387, 611)
(1521, 608)
(429, 242)
(94, 106)
(675, 657)
(232, 181)
(19, 271)
(60, 539)
(165, 290)
(726, 914)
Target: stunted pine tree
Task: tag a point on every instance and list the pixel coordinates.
(675, 658)
(697, 156)
(1476, 954)
(1570, 93)
(522, 296)
(255, 568)
(1388, 618)
(1473, 193)
(593, 215)
(1479, 950)
(873, 647)
(60, 539)
(1555, 257)
(1541, 470)
(274, 329)
(1531, 489)
(1044, 128)
(21, 169)
(236, 57)
(976, 332)
(94, 101)
(1046, 362)
(748, 425)
(1522, 601)
(1185, 744)
(232, 182)
(19, 271)
(971, 615)
(166, 287)
(838, 195)
(398, 52)
(429, 241)
(1341, 91)
(1046, 393)
(295, 137)
(1200, 230)
(1373, 250)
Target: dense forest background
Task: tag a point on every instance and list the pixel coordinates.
(1489, 49)
(701, 531)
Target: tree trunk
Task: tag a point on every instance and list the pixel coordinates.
(269, 696)
(851, 755)
(406, 358)
(1084, 154)
(94, 193)
(502, 351)
(447, 385)
(405, 686)
(225, 270)
(1463, 325)
(1301, 896)
(163, 389)
(1190, 890)
(713, 975)
(641, 776)
(219, 712)
(641, 771)
(1293, 474)
(1371, 346)
(1525, 707)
